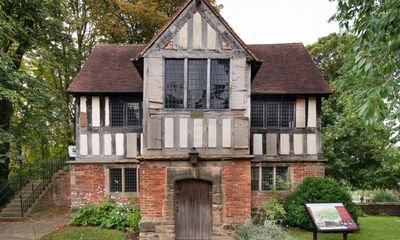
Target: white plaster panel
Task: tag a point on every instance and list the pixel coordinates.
(107, 144)
(107, 111)
(168, 132)
(312, 112)
(119, 144)
(300, 112)
(226, 133)
(238, 83)
(183, 132)
(271, 144)
(131, 145)
(95, 144)
(83, 106)
(298, 143)
(311, 143)
(96, 111)
(284, 144)
(197, 31)
(183, 37)
(212, 133)
(83, 145)
(198, 133)
(211, 38)
(257, 144)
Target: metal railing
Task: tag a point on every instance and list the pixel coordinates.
(29, 180)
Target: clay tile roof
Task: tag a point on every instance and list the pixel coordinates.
(287, 69)
(109, 69)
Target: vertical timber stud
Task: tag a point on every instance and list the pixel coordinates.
(208, 83)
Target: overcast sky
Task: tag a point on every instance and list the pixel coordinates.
(280, 21)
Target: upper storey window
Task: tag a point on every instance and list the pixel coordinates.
(206, 81)
(125, 113)
(273, 112)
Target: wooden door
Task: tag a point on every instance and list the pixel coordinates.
(193, 210)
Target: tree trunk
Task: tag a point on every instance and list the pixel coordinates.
(6, 111)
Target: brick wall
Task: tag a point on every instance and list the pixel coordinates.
(302, 170)
(299, 171)
(88, 185)
(152, 190)
(57, 194)
(237, 191)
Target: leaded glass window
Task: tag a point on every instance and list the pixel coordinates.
(197, 84)
(133, 114)
(273, 112)
(272, 178)
(125, 114)
(130, 180)
(174, 83)
(219, 85)
(267, 178)
(117, 114)
(255, 178)
(115, 180)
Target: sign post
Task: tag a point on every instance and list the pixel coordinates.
(331, 218)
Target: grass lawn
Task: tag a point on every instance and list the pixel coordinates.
(372, 228)
(85, 233)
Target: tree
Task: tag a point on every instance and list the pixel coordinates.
(365, 156)
(376, 27)
(133, 21)
(24, 25)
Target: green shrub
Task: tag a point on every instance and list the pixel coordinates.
(273, 210)
(267, 231)
(316, 190)
(109, 215)
(382, 196)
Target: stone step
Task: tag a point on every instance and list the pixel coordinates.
(11, 210)
(11, 214)
(11, 219)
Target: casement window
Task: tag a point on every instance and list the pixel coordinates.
(125, 113)
(273, 112)
(207, 83)
(267, 178)
(123, 180)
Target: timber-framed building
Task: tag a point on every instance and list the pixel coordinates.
(196, 125)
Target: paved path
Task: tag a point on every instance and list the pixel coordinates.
(28, 230)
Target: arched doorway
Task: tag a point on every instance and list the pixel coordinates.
(193, 210)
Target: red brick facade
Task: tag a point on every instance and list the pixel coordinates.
(56, 195)
(236, 183)
(89, 185)
(152, 190)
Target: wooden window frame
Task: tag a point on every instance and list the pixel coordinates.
(279, 100)
(125, 103)
(274, 178)
(123, 182)
(186, 83)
